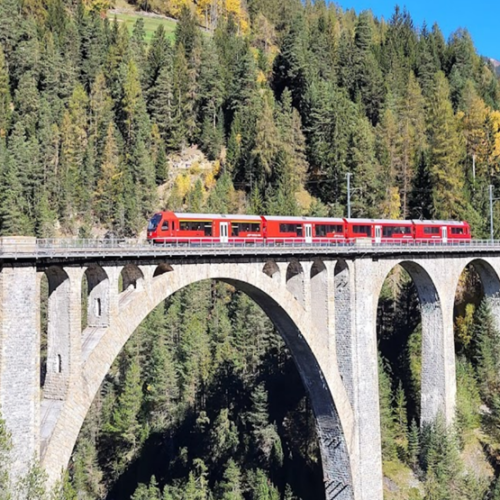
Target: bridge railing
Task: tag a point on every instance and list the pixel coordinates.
(31, 247)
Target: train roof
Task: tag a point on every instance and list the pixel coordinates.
(183, 215)
(378, 221)
(284, 218)
(439, 223)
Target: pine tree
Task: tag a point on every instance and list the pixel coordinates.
(124, 421)
(387, 421)
(446, 153)
(231, 486)
(413, 444)
(186, 31)
(486, 335)
(4, 96)
(366, 173)
(161, 167)
(109, 190)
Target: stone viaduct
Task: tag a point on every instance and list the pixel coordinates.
(323, 301)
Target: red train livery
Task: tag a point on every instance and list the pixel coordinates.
(183, 228)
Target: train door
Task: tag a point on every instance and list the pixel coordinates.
(308, 231)
(378, 234)
(223, 232)
(444, 234)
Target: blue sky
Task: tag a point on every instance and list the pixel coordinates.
(481, 18)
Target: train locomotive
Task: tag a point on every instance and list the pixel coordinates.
(173, 228)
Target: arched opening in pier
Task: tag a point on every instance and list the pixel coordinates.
(476, 322)
(208, 384)
(54, 320)
(43, 284)
(409, 329)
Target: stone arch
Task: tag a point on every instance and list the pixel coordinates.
(132, 278)
(319, 295)
(98, 286)
(436, 397)
(58, 334)
(272, 270)
(161, 269)
(335, 430)
(295, 281)
(343, 325)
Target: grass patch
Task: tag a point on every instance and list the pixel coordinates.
(399, 482)
(151, 24)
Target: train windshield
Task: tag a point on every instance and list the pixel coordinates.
(154, 221)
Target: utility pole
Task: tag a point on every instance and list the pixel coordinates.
(348, 194)
(491, 212)
(474, 167)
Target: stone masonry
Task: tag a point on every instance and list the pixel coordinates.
(325, 309)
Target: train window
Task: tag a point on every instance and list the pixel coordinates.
(457, 230)
(164, 225)
(431, 230)
(287, 228)
(154, 221)
(389, 231)
(324, 229)
(208, 229)
(362, 230)
(244, 227)
(187, 225)
(299, 230)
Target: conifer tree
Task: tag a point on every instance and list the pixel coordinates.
(124, 424)
(4, 96)
(446, 153)
(231, 486)
(109, 190)
(488, 351)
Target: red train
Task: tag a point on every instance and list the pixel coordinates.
(183, 228)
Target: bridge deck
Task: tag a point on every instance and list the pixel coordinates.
(66, 248)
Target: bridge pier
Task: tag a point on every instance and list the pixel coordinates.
(20, 363)
(365, 381)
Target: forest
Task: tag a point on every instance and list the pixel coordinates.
(283, 99)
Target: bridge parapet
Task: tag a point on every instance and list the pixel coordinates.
(322, 301)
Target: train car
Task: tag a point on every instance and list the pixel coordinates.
(380, 230)
(441, 231)
(186, 228)
(284, 230)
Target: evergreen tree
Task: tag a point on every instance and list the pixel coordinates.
(124, 420)
(231, 486)
(4, 96)
(446, 153)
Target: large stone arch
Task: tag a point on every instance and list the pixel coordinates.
(329, 400)
(438, 387)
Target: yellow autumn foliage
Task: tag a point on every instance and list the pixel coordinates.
(392, 207)
(495, 126)
(182, 184)
(177, 5)
(209, 12)
(209, 180)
